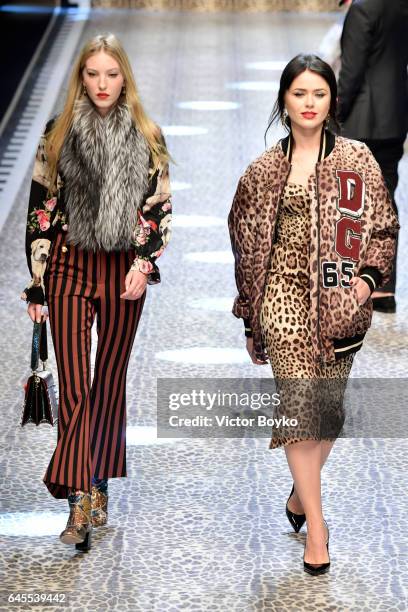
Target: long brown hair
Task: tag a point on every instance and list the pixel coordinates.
(109, 44)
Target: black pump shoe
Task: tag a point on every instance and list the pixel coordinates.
(296, 520)
(316, 569)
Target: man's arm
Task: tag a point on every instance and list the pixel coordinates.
(356, 44)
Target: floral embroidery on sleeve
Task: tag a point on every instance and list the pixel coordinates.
(42, 216)
(153, 229)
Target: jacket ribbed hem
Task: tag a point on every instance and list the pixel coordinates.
(346, 346)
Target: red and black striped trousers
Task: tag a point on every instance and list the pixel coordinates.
(92, 416)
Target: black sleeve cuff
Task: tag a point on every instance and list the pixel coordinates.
(154, 276)
(35, 295)
(372, 277)
(248, 330)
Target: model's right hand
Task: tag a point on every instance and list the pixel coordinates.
(250, 349)
(135, 285)
(35, 311)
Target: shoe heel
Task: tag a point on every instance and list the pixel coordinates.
(86, 544)
(296, 520)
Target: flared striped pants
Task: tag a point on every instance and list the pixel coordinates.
(80, 285)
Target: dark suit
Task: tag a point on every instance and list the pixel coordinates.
(373, 83)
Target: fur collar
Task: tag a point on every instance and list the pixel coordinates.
(104, 164)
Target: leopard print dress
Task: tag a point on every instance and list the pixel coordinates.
(311, 394)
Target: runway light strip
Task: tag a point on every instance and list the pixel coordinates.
(183, 130)
(205, 355)
(268, 65)
(180, 186)
(25, 8)
(209, 105)
(197, 221)
(145, 435)
(222, 304)
(223, 257)
(254, 85)
(32, 524)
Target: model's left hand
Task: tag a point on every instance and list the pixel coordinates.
(362, 289)
(135, 284)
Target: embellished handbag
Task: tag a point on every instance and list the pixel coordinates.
(40, 401)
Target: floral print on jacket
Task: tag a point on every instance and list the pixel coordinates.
(46, 216)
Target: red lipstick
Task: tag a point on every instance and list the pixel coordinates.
(309, 115)
(103, 95)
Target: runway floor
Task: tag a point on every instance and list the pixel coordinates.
(199, 524)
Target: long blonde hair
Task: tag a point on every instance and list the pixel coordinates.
(55, 137)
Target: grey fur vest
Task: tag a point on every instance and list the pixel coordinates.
(104, 164)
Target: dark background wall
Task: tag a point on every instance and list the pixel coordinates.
(22, 26)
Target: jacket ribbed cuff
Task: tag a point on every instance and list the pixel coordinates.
(372, 277)
(248, 330)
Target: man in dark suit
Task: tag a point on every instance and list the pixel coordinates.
(373, 92)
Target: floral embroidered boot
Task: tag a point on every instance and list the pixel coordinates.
(99, 514)
(79, 526)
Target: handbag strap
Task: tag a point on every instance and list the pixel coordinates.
(43, 342)
(39, 349)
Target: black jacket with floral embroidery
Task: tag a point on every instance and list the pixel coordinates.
(47, 216)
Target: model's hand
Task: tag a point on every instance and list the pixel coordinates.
(362, 289)
(250, 349)
(35, 312)
(135, 284)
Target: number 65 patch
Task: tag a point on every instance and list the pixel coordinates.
(337, 274)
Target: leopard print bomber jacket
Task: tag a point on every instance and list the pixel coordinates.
(353, 233)
(49, 215)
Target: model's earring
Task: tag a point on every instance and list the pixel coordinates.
(327, 120)
(284, 117)
(124, 91)
(84, 92)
